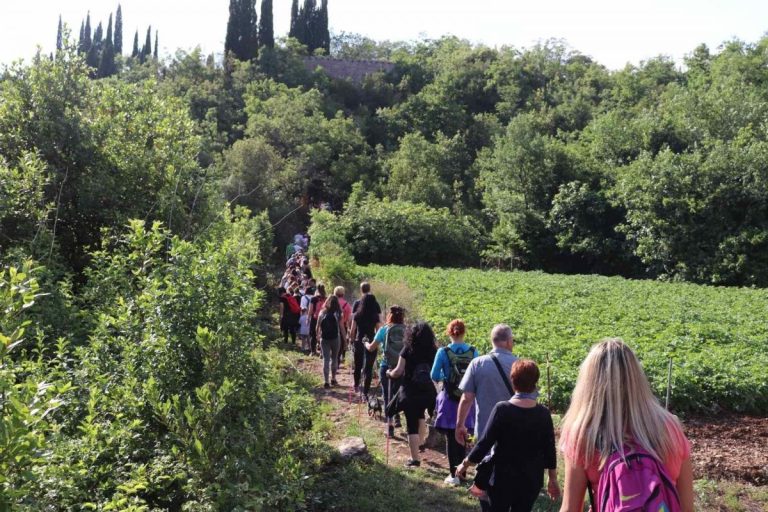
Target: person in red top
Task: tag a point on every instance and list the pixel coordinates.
(346, 319)
(613, 406)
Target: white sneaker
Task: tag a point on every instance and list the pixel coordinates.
(452, 480)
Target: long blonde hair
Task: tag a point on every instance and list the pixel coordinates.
(612, 404)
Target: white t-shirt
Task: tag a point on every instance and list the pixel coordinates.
(303, 324)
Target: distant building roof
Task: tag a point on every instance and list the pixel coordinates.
(344, 69)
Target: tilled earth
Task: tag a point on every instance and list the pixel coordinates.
(729, 447)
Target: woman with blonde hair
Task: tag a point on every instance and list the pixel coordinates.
(613, 414)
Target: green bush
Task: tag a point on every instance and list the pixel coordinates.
(171, 403)
(385, 231)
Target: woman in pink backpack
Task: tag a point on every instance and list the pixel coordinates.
(619, 443)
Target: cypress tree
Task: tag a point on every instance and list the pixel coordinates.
(325, 33)
(135, 52)
(59, 36)
(81, 39)
(294, 18)
(98, 37)
(94, 53)
(242, 30)
(266, 25)
(156, 52)
(231, 40)
(146, 51)
(107, 62)
(118, 42)
(109, 31)
(300, 31)
(87, 34)
(310, 21)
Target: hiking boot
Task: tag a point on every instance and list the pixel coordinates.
(422, 448)
(357, 389)
(391, 431)
(334, 382)
(327, 386)
(412, 463)
(452, 481)
(397, 422)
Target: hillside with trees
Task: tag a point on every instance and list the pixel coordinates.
(142, 197)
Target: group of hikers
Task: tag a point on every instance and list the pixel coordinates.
(621, 447)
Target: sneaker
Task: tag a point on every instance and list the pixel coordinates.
(452, 480)
(334, 382)
(413, 463)
(391, 431)
(327, 386)
(422, 448)
(357, 389)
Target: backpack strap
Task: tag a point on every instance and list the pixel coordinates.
(503, 375)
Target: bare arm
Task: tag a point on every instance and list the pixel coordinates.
(465, 404)
(398, 371)
(575, 487)
(685, 486)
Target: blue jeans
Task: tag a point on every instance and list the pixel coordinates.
(388, 392)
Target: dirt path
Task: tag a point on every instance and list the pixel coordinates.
(348, 408)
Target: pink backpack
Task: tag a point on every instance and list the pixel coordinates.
(636, 483)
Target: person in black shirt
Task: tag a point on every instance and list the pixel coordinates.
(417, 391)
(366, 316)
(523, 438)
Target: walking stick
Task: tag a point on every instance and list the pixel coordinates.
(389, 397)
(669, 382)
(549, 385)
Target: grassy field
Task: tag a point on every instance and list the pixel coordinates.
(717, 338)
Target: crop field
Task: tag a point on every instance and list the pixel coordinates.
(717, 338)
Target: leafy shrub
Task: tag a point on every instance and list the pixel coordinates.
(176, 406)
(333, 262)
(385, 231)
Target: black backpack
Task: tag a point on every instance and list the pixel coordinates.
(421, 378)
(329, 326)
(459, 364)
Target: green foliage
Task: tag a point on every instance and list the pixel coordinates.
(171, 400)
(328, 154)
(520, 177)
(385, 231)
(420, 171)
(715, 336)
(333, 261)
(27, 400)
(110, 150)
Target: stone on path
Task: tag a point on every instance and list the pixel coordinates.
(353, 447)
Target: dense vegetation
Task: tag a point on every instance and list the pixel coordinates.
(714, 336)
(139, 197)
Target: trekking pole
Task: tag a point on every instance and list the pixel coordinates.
(352, 376)
(549, 385)
(669, 382)
(389, 398)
